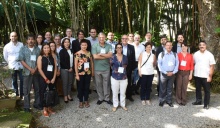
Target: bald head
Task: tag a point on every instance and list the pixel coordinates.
(13, 37)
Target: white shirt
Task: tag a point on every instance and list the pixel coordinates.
(71, 40)
(71, 58)
(138, 50)
(92, 40)
(11, 54)
(125, 50)
(58, 49)
(202, 63)
(39, 46)
(148, 67)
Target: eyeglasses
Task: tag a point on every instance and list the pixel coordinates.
(124, 38)
(119, 47)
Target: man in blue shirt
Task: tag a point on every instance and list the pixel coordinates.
(168, 65)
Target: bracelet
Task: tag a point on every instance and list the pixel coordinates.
(46, 80)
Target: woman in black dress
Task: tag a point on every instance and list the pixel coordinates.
(47, 69)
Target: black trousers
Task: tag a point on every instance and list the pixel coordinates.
(83, 87)
(129, 87)
(202, 82)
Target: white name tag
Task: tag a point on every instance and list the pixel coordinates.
(50, 68)
(183, 63)
(86, 65)
(170, 63)
(102, 51)
(120, 69)
(33, 57)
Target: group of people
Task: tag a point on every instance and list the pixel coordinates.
(122, 68)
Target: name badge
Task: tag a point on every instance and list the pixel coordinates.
(33, 57)
(170, 63)
(183, 63)
(86, 65)
(50, 68)
(102, 51)
(120, 69)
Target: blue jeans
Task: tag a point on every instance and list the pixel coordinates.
(15, 83)
(166, 88)
(135, 76)
(146, 84)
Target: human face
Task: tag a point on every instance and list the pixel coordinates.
(124, 39)
(110, 36)
(148, 37)
(184, 48)
(57, 40)
(66, 44)
(131, 37)
(39, 39)
(30, 42)
(163, 41)
(168, 46)
(46, 49)
(68, 32)
(101, 38)
(202, 46)
(13, 37)
(83, 46)
(148, 49)
(48, 36)
(180, 39)
(80, 36)
(137, 38)
(119, 49)
(93, 33)
(52, 47)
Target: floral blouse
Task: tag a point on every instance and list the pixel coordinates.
(115, 64)
(82, 60)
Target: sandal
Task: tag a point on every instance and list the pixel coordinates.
(81, 105)
(87, 104)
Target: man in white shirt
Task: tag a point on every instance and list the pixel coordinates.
(203, 71)
(11, 54)
(139, 48)
(69, 36)
(92, 38)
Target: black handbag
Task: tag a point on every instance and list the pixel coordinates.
(51, 97)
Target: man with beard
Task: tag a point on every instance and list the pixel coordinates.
(177, 47)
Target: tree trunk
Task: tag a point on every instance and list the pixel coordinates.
(208, 11)
(111, 18)
(128, 16)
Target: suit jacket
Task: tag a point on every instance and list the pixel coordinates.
(64, 59)
(76, 46)
(158, 51)
(174, 49)
(131, 57)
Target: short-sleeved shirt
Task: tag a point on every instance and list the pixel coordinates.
(82, 67)
(29, 57)
(115, 64)
(138, 50)
(202, 63)
(101, 65)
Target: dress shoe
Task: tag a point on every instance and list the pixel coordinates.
(161, 104)
(71, 99)
(27, 110)
(109, 102)
(125, 108)
(114, 109)
(136, 92)
(95, 91)
(170, 104)
(131, 99)
(99, 102)
(206, 107)
(66, 101)
(197, 103)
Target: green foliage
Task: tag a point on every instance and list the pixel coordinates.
(215, 82)
(217, 30)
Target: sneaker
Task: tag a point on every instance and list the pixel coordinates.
(143, 102)
(148, 102)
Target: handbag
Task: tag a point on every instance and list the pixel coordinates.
(51, 97)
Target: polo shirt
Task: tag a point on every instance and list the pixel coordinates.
(202, 63)
(101, 65)
(186, 63)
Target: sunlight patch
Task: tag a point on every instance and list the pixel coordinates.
(171, 126)
(211, 113)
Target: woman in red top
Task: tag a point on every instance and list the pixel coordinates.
(186, 66)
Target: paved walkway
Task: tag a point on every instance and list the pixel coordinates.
(137, 116)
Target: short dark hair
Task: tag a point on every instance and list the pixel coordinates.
(148, 43)
(185, 44)
(64, 41)
(42, 49)
(80, 31)
(202, 41)
(83, 41)
(168, 42)
(117, 45)
(29, 36)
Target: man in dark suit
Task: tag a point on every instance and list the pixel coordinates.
(128, 50)
(76, 43)
(160, 49)
(177, 46)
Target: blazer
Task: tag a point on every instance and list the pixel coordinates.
(174, 49)
(76, 46)
(158, 51)
(65, 59)
(131, 57)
